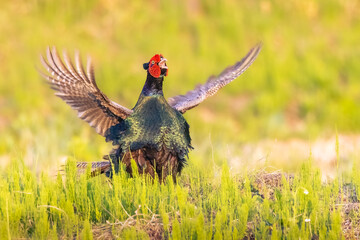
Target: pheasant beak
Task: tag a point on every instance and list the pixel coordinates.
(162, 63)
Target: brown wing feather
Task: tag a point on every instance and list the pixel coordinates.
(191, 99)
(78, 88)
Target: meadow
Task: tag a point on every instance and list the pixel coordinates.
(304, 86)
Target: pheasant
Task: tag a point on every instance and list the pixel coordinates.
(154, 132)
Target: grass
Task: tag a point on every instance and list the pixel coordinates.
(304, 84)
(208, 203)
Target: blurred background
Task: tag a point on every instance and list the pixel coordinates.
(301, 92)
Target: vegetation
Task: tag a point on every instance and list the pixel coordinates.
(211, 204)
(304, 84)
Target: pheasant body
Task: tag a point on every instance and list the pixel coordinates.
(153, 127)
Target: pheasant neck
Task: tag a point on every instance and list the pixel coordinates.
(153, 86)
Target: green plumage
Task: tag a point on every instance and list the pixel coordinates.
(154, 124)
(156, 136)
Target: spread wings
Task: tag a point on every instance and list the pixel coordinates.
(78, 89)
(191, 99)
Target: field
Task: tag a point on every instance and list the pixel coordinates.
(276, 152)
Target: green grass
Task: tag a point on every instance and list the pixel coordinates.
(208, 203)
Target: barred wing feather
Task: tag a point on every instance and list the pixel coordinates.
(78, 88)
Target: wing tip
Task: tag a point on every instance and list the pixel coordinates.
(258, 47)
(259, 44)
(254, 51)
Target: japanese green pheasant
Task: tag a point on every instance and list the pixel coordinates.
(154, 132)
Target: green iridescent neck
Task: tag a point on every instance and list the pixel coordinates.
(153, 86)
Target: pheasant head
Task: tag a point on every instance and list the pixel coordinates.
(157, 66)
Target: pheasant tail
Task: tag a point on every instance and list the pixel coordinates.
(97, 168)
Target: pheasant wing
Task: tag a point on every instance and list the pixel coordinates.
(79, 89)
(191, 99)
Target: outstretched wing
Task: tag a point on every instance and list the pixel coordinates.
(78, 89)
(191, 99)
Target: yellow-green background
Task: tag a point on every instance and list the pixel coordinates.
(304, 84)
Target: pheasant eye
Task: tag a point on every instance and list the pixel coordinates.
(152, 62)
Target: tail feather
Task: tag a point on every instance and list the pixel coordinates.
(97, 168)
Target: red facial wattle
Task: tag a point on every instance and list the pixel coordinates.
(154, 68)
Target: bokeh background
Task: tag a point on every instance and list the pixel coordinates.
(301, 92)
